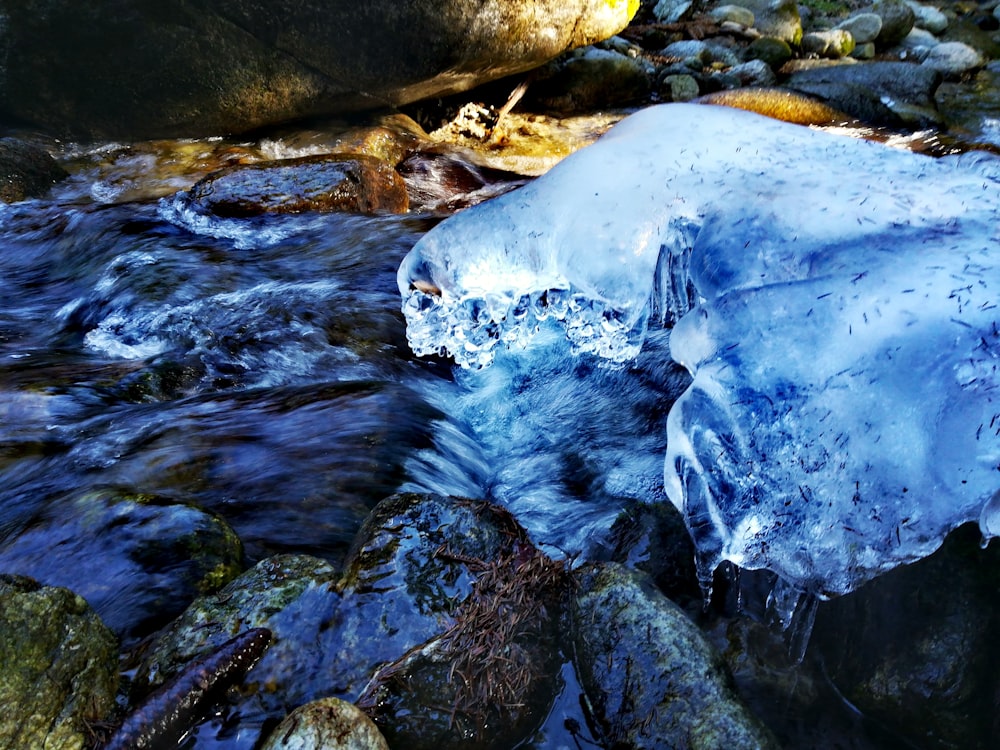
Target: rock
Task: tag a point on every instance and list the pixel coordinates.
(953, 58)
(651, 677)
(864, 51)
(235, 65)
(139, 560)
(672, 11)
(26, 170)
(590, 79)
(754, 73)
(789, 106)
(833, 43)
(777, 18)
(355, 184)
(864, 27)
(733, 14)
(326, 724)
(425, 574)
(915, 649)
(60, 666)
(862, 90)
(897, 21)
(928, 17)
(679, 88)
(773, 51)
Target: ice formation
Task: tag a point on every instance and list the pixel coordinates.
(835, 302)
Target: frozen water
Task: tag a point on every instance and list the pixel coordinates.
(835, 302)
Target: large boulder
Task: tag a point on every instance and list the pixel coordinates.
(145, 68)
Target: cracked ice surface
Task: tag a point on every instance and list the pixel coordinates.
(835, 301)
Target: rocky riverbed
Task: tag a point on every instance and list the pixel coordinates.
(237, 512)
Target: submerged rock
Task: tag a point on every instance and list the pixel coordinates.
(651, 677)
(26, 171)
(356, 183)
(152, 69)
(60, 666)
(137, 559)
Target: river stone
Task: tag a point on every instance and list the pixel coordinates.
(864, 27)
(737, 14)
(773, 51)
(326, 724)
(777, 18)
(651, 677)
(897, 21)
(590, 79)
(26, 170)
(832, 43)
(953, 58)
(60, 666)
(916, 649)
(352, 183)
(139, 560)
(928, 17)
(160, 68)
(672, 11)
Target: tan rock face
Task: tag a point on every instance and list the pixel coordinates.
(173, 69)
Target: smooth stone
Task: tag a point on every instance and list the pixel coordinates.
(781, 104)
(777, 18)
(60, 666)
(737, 14)
(26, 170)
(864, 27)
(679, 87)
(671, 11)
(326, 724)
(754, 73)
(228, 66)
(897, 20)
(651, 677)
(773, 51)
(139, 560)
(864, 51)
(590, 79)
(928, 17)
(953, 58)
(352, 183)
(832, 43)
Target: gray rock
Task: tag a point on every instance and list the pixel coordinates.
(170, 68)
(591, 79)
(139, 560)
(771, 50)
(864, 51)
(897, 20)
(754, 73)
(679, 87)
(326, 724)
(651, 677)
(832, 43)
(672, 11)
(864, 27)
(26, 170)
(60, 666)
(953, 58)
(737, 14)
(888, 81)
(777, 18)
(928, 17)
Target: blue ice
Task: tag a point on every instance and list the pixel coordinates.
(834, 300)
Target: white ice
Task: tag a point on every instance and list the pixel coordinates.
(835, 301)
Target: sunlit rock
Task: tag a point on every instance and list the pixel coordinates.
(328, 723)
(172, 68)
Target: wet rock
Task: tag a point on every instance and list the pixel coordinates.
(781, 104)
(777, 18)
(773, 51)
(832, 43)
(60, 666)
(139, 560)
(326, 724)
(651, 677)
(916, 650)
(227, 66)
(424, 570)
(897, 21)
(26, 170)
(356, 184)
(590, 79)
(953, 58)
(864, 27)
